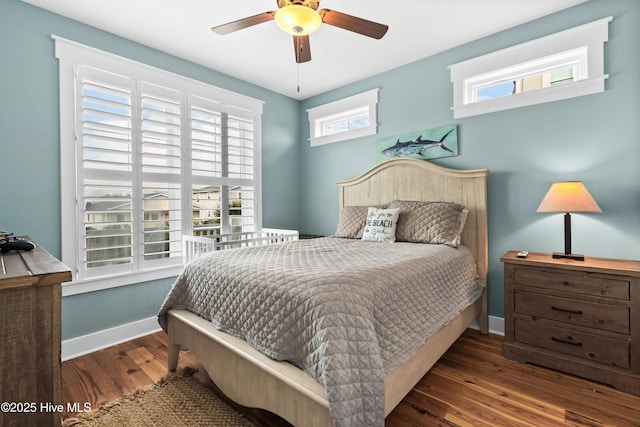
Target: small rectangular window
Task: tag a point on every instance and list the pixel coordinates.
(347, 121)
(347, 118)
(560, 66)
(538, 79)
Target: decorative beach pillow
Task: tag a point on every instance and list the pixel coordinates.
(430, 222)
(380, 225)
(351, 222)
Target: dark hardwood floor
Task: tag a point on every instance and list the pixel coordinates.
(472, 385)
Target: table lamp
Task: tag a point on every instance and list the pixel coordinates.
(567, 197)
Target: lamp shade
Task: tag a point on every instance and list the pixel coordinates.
(298, 20)
(570, 196)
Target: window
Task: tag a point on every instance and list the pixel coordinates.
(147, 156)
(344, 119)
(559, 66)
(562, 68)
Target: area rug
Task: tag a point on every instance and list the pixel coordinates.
(176, 400)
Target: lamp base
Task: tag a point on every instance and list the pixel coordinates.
(576, 257)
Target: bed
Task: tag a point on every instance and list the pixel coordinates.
(253, 379)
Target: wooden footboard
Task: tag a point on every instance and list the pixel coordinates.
(250, 378)
(247, 376)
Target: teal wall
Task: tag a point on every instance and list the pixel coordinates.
(594, 138)
(30, 153)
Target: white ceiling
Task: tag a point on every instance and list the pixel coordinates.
(264, 55)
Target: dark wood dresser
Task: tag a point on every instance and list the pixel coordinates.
(30, 297)
(580, 317)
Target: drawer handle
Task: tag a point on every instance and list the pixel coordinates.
(577, 344)
(564, 310)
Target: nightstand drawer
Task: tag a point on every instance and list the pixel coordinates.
(599, 349)
(589, 314)
(579, 282)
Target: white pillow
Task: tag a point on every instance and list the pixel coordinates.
(380, 225)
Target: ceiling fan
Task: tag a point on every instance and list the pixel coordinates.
(301, 18)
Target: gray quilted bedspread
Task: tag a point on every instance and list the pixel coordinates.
(344, 310)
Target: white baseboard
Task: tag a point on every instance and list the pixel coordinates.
(496, 325)
(75, 347)
(86, 344)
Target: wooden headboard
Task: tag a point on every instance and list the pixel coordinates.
(414, 179)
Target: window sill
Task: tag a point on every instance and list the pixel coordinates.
(101, 283)
(566, 91)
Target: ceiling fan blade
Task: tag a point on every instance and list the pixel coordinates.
(240, 24)
(302, 48)
(353, 23)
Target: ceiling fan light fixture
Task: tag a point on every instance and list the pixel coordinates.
(298, 20)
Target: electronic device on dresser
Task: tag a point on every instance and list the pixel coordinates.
(579, 317)
(8, 243)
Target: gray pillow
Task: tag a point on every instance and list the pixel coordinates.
(352, 220)
(430, 222)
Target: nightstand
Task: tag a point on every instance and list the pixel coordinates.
(579, 317)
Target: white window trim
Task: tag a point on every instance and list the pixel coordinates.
(70, 53)
(467, 74)
(329, 112)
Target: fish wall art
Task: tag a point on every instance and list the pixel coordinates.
(427, 144)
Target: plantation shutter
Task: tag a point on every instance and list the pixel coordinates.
(223, 171)
(106, 175)
(130, 183)
(241, 171)
(160, 159)
(133, 176)
(207, 167)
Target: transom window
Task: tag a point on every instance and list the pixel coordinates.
(559, 66)
(351, 120)
(347, 118)
(526, 83)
